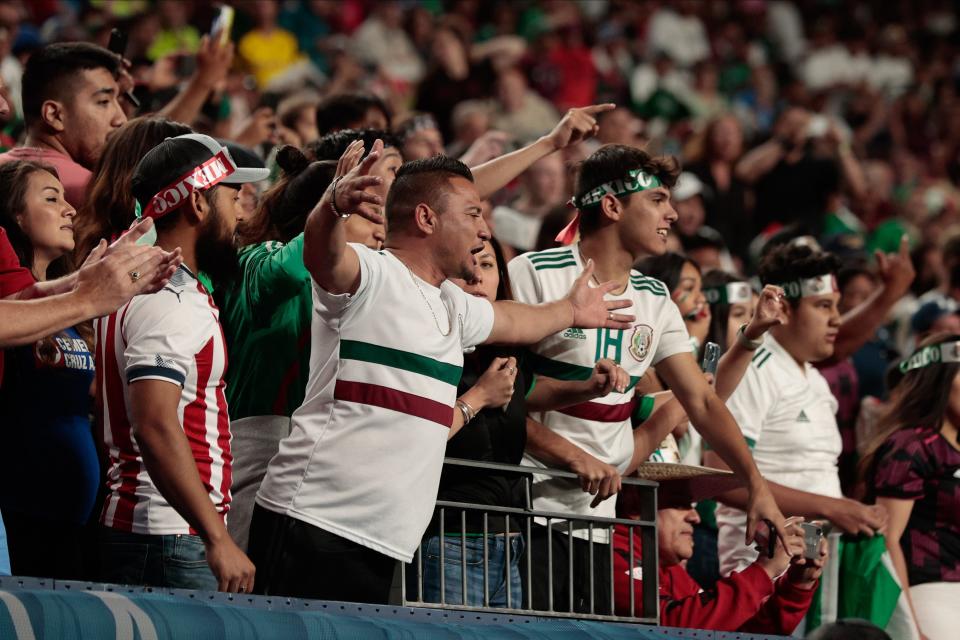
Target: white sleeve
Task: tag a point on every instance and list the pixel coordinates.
(331, 305)
(673, 333)
(162, 339)
(524, 283)
(474, 314)
(750, 404)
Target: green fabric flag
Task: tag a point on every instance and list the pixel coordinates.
(869, 588)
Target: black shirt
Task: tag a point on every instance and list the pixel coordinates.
(494, 435)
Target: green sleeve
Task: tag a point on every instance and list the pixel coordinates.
(643, 410)
(273, 272)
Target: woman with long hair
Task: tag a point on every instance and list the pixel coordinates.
(912, 468)
(48, 461)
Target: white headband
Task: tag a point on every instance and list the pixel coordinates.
(815, 286)
(933, 354)
(731, 293)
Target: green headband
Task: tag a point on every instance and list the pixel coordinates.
(945, 352)
(635, 181)
(730, 293)
(815, 286)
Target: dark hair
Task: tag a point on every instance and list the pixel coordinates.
(719, 311)
(14, 182)
(109, 205)
(851, 270)
(283, 209)
(921, 400)
(666, 267)
(611, 162)
(422, 181)
(794, 261)
(332, 145)
(51, 73)
(346, 110)
(504, 289)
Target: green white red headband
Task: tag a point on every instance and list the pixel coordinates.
(806, 287)
(635, 180)
(730, 293)
(945, 352)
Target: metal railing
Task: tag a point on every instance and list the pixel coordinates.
(556, 524)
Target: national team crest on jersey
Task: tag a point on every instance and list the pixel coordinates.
(640, 342)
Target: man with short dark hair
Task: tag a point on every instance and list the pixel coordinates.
(161, 362)
(624, 213)
(786, 411)
(70, 106)
(353, 487)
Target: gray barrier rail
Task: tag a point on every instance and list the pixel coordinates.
(556, 524)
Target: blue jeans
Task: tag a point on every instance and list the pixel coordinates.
(497, 583)
(173, 561)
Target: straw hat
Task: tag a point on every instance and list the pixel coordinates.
(680, 485)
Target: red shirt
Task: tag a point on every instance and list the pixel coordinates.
(73, 176)
(747, 601)
(13, 277)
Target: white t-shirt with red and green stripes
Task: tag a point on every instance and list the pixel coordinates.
(365, 452)
(173, 336)
(602, 426)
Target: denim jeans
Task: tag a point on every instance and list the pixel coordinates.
(497, 583)
(173, 561)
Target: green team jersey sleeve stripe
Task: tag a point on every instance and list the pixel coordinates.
(550, 257)
(643, 410)
(554, 265)
(368, 352)
(395, 400)
(650, 289)
(564, 371)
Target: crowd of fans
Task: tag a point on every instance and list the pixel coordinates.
(501, 231)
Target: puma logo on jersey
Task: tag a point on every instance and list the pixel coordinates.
(575, 334)
(803, 416)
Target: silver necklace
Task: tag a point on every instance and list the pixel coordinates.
(436, 321)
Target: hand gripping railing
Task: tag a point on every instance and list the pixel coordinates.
(556, 524)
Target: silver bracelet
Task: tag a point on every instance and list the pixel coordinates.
(745, 342)
(467, 411)
(333, 199)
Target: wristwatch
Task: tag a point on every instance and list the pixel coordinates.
(333, 200)
(745, 342)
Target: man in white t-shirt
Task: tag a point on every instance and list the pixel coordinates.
(161, 361)
(353, 487)
(623, 198)
(786, 411)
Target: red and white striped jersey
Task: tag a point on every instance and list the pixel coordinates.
(173, 335)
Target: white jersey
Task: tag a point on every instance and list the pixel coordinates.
(365, 451)
(601, 427)
(788, 417)
(173, 335)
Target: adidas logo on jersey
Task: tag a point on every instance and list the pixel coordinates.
(803, 416)
(575, 334)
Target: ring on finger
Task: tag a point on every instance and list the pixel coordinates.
(134, 276)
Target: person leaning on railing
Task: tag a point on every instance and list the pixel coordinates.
(492, 399)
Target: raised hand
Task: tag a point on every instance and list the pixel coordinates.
(896, 269)
(214, 59)
(590, 310)
(577, 124)
(771, 311)
(348, 191)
